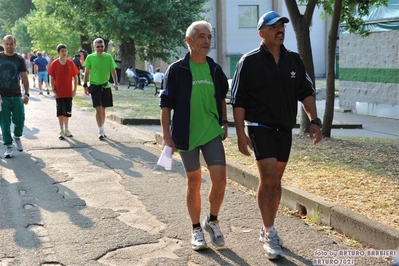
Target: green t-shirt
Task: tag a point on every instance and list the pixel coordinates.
(100, 68)
(204, 117)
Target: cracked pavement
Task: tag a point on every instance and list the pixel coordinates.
(82, 201)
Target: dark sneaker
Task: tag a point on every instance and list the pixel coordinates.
(18, 143)
(212, 227)
(62, 135)
(272, 244)
(8, 153)
(198, 240)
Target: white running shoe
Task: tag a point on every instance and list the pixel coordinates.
(198, 240)
(18, 143)
(8, 153)
(272, 244)
(212, 227)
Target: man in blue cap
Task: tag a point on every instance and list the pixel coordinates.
(267, 85)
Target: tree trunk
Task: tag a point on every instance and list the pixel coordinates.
(301, 24)
(330, 93)
(128, 57)
(85, 44)
(305, 50)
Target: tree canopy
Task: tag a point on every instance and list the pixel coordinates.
(145, 29)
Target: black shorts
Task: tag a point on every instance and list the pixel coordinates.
(64, 106)
(102, 97)
(213, 153)
(270, 143)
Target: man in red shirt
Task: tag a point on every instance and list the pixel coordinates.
(64, 81)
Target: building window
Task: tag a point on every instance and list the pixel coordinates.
(248, 16)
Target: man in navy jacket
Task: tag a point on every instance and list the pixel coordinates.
(195, 89)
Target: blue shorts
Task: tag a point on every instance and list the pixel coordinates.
(42, 76)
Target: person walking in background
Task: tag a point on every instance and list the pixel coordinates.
(32, 61)
(195, 89)
(41, 66)
(11, 65)
(158, 76)
(78, 64)
(98, 67)
(176, 58)
(64, 81)
(27, 63)
(267, 84)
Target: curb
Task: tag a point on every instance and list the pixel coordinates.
(343, 220)
(157, 122)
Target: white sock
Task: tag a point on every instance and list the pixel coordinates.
(269, 229)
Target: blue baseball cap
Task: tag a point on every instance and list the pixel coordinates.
(269, 18)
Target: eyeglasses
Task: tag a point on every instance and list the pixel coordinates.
(277, 27)
(100, 46)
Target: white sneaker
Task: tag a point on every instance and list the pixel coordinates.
(198, 240)
(212, 227)
(272, 244)
(18, 143)
(8, 153)
(101, 135)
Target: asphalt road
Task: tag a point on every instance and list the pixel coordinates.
(82, 201)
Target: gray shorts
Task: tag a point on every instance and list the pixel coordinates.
(213, 153)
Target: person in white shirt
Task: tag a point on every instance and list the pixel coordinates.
(129, 72)
(158, 76)
(151, 68)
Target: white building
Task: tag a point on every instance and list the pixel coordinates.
(234, 23)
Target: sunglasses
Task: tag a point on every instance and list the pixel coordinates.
(100, 46)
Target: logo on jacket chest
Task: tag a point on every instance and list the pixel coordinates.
(293, 74)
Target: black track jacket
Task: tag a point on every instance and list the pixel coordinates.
(270, 92)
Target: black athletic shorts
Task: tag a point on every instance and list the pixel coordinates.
(213, 153)
(64, 106)
(102, 97)
(270, 143)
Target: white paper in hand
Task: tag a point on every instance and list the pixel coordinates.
(165, 159)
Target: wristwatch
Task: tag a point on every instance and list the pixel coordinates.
(316, 121)
(84, 85)
(27, 94)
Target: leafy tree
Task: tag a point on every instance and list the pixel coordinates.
(47, 32)
(301, 23)
(11, 11)
(144, 29)
(20, 32)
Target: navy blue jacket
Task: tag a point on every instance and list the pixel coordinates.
(176, 94)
